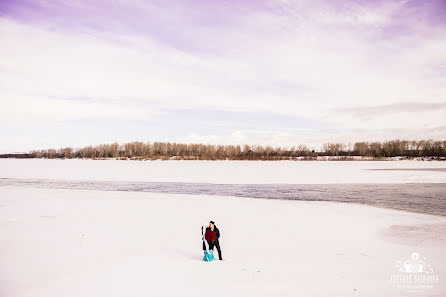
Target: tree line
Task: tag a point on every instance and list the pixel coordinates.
(167, 150)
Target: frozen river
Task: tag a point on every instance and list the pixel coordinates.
(228, 172)
(406, 185)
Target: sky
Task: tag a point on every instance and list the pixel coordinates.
(281, 73)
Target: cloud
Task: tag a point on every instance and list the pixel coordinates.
(405, 107)
(272, 71)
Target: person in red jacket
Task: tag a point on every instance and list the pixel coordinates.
(208, 236)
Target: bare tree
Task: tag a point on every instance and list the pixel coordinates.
(166, 150)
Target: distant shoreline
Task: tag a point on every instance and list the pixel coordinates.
(138, 150)
(175, 158)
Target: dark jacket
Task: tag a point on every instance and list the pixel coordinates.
(217, 232)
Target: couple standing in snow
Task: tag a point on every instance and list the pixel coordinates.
(210, 236)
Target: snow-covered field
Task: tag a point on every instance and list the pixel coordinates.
(56, 242)
(90, 243)
(236, 172)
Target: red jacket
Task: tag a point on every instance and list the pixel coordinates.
(210, 235)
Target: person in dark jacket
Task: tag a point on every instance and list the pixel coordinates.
(216, 242)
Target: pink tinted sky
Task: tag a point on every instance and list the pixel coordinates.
(261, 72)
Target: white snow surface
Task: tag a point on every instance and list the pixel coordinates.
(75, 243)
(230, 172)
